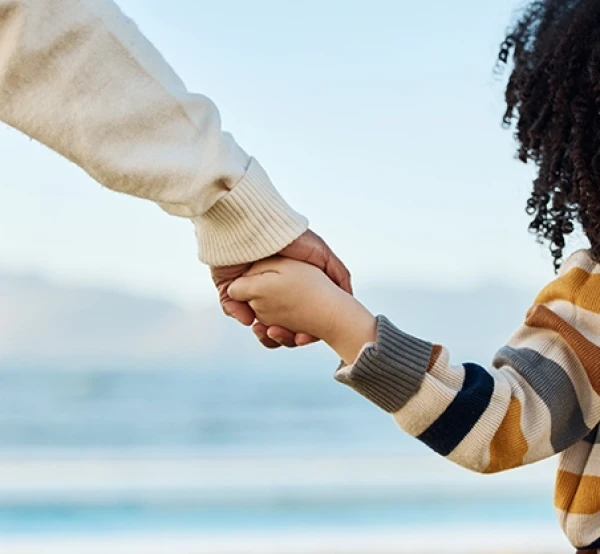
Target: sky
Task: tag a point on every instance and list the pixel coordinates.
(379, 120)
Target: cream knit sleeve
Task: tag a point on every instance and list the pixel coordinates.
(79, 77)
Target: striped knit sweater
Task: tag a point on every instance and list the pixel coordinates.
(540, 398)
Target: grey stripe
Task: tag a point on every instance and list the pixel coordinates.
(390, 372)
(552, 384)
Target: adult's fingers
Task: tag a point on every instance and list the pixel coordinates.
(302, 339)
(260, 331)
(338, 272)
(240, 311)
(222, 278)
(282, 336)
(311, 248)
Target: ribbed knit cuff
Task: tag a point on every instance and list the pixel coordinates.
(250, 223)
(390, 371)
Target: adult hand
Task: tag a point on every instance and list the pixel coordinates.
(309, 248)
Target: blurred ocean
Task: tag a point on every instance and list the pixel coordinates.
(203, 412)
(107, 445)
(237, 460)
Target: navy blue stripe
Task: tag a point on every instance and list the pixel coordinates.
(593, 437)
(463, 413)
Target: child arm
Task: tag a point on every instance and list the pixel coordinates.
(536, 401)
(541, 395)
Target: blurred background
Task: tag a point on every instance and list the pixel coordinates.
(135, 418)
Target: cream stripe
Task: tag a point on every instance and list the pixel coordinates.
(581, 458)
(582, 260)
(585, 265)
(452, 376)
(524, 334)
(582, 530)
(437, 392)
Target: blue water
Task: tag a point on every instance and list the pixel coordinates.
(205, 411)
(222, 412)
(131, 518)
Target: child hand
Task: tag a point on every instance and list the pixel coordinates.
(289, 294)
(301, 298)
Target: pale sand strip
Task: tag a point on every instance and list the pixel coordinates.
(485, 540)
(427, 473)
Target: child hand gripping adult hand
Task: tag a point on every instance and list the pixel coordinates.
(301, 298)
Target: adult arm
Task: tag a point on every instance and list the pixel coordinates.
(79, 77)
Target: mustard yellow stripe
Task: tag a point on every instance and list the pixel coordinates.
(509, 445)
(577, 494)
(577, 286)
(587, 352)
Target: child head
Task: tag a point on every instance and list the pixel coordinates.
(553, 97)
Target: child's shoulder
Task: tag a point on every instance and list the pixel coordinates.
(577, 286)
(582, 260)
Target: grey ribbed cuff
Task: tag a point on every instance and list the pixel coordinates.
(389, 372)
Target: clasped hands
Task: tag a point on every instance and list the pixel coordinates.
(300, 295)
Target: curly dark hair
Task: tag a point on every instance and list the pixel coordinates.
(553, 95)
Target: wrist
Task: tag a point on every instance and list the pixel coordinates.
(352, 327)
